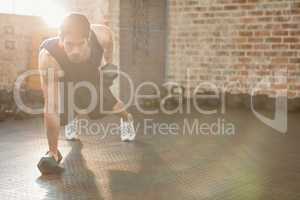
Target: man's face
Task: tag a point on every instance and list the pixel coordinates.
(76, 47)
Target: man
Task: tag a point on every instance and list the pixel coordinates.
(76, 56)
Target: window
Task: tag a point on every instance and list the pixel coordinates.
(52, 11)
(10, 45)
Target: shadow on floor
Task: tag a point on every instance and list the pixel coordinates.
(149, 182)
(77, 182)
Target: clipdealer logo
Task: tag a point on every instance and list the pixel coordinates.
(279, 122)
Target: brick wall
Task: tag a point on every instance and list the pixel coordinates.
(95, 10)
(216, 40)
(222, 41)
(15, 46)
(17, 34)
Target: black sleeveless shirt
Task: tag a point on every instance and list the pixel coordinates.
(76, 72)
(87, 70)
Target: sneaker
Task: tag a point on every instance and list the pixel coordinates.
(71, 130)
(127, 130)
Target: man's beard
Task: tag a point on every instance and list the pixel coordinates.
(75, 58)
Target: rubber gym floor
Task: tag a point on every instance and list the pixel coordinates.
(256, 162)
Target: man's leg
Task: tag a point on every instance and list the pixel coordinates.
(119, 108)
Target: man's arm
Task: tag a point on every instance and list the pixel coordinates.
(49, 70)
(105, 38)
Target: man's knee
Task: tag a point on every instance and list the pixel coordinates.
(119, 106)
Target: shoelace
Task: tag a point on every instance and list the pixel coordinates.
(125, 128)
(73, 126)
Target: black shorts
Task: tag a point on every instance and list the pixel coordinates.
(82, 98)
